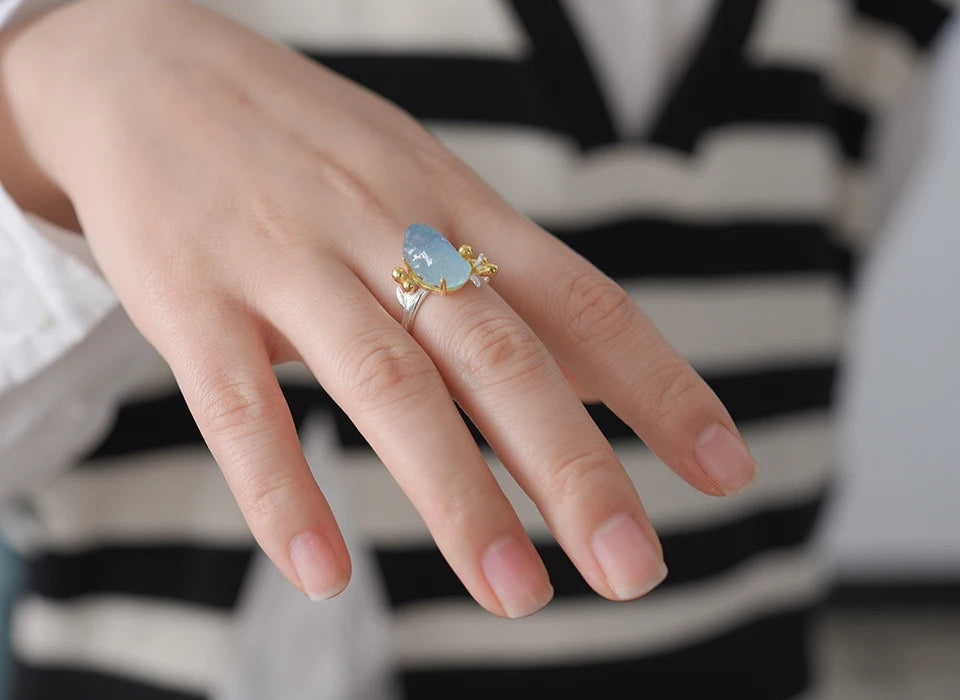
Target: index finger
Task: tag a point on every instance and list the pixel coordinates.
(228, 382)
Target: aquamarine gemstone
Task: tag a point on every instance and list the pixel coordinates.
(433, 258)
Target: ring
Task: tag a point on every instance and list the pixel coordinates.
(432, 264)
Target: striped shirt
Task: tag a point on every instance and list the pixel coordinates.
(730, 195)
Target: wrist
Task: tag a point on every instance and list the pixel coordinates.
(27, 182)
(54, 102)
(41, 85)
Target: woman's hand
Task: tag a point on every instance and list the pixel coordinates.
(248, 205)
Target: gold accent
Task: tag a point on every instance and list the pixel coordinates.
(405, 278)
(410, 280)
(485, 268)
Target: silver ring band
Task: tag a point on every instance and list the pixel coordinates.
(410, 301)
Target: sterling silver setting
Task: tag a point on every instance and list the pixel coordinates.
(411, 301)
(431, 264)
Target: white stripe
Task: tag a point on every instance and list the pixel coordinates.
(478, 27)
(748, 172)
(808, 33)
(795, 457)
(859, 217)
(441, 634)
(866, 62)
(878, 63)
(168, 495)
(179, 646)
(727, 324)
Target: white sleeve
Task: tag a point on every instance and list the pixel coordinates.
(58, 337)
(49, 300)
(52, 306)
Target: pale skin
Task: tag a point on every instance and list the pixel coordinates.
(248, 205)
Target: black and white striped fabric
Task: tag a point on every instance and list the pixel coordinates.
(734, 220)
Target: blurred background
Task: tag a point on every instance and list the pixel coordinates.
(893, 628)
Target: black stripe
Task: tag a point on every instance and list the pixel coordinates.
(198, 575)
(47, 683)
(760, 393)
(921, 20)
(766, 659)
(508, 93)
(932, 592)
(165, 421)
(791, 96)
(657, 247)
(766, 97)
(565, 72)
(719, 89)
(554, 89)
(851, 126)
(753, 395)
(776, 391)
(452, 89)
(419, 573)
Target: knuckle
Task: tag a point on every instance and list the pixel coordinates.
(499, 349)
(232, 407)
(458, 506)
(351, 189)
(288, 226)
(174, 297)
(275, 220)
(673, 386)
(431, 159)
(574, 475)
(268, 494)
(597, 307)
(383, 369)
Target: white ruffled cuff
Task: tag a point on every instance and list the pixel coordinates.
(49, 300)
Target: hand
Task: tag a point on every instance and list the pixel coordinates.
(248, 205)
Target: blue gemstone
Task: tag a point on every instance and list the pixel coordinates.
(433, 259)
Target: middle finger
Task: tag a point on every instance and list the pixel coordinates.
(511, 387)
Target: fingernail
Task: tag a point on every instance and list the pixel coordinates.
(725, 458)
(316, 565)
(629, 560)
(516, 576)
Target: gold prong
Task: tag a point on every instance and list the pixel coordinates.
(443, 286)
(466, 251)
